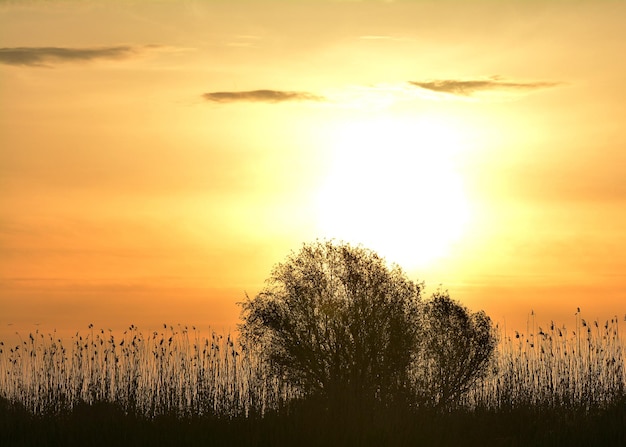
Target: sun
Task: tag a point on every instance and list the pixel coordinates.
(392, 185)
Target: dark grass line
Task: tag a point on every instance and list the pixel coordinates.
(108, 425)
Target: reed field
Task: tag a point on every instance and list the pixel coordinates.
(172, 372)
(557, 368)
(179, 374)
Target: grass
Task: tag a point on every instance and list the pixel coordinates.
(174, 373)
(556, 369)
(550, 386)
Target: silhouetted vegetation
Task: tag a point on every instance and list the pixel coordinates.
(455, 350)
(338, 349)
(337, 324)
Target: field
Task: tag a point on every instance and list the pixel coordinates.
(551, 386)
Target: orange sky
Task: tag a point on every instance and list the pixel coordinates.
(158, 158)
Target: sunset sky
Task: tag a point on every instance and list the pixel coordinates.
(158, 158)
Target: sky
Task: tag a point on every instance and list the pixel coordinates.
(157, 158)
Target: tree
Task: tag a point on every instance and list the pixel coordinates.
(456, 348)
(337, 322)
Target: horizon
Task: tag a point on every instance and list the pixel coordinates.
(157, 159)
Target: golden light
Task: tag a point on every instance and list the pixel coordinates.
(392, 185)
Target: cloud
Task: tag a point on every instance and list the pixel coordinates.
(469, 87)
(44, 56)
(272, 96)
(383, 95)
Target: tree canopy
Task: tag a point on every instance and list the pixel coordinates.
(455, 347)
(335, 321)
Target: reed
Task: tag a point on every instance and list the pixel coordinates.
(556, 368)
(171, 372)
(177, 372)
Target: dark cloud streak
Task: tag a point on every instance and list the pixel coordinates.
(272, 96)
(469, 87)
(45, 56)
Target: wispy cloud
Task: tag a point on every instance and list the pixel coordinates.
(466, 87)
(272, 96)
(46, 56)
(386, 94)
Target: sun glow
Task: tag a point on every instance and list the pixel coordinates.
(392, 185)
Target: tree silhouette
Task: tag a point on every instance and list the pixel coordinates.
(456, 347)
(338, 323)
